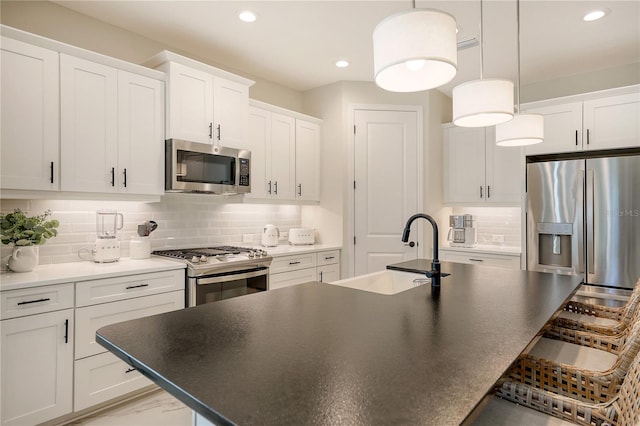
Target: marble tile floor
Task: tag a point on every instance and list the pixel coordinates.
(154, 409)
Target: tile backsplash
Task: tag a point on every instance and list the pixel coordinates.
(183, 220)
(495, 223)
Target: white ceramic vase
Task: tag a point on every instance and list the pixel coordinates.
(24, 258)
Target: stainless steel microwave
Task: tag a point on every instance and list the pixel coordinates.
(201, 167)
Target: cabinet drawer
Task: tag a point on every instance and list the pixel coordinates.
(328, 257)
(286, 279)
(121, 288)
(292, 263)
(102, 377)
(91, 318)
(510, 262)
(36, 300)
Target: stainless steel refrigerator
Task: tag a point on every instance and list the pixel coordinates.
(583, 217)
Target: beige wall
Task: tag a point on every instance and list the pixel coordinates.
(59, 23)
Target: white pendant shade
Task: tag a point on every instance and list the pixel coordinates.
(415, 50)
(524, 129)
(484, 102)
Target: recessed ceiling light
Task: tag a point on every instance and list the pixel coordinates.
(247, 16)
(342, 63)
(594, 15)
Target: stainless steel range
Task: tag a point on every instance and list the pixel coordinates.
(216, 273)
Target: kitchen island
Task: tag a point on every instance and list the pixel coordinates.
(323, 354)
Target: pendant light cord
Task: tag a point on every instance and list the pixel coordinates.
(518, 39)
(481, 44)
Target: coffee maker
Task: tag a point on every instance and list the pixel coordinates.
(462, 233)
(107, 247)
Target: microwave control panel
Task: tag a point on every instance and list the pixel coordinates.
(244, 172)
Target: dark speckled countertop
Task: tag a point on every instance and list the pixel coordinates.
(320, 354)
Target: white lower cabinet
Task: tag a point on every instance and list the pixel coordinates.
(323, 266)
(487, 259)
(37, 367)
(99, 375)
(103, 377)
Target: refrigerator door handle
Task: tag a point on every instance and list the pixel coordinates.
(590, 225)
(579, 232)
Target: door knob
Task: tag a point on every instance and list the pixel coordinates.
(410, 244)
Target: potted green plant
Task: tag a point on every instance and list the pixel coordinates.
(26, 234)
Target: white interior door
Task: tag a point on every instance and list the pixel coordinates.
(386, 164)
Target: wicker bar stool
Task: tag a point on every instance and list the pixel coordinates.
(600, 319)
(621, 409)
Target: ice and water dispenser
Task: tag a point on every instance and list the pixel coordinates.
(554, 244)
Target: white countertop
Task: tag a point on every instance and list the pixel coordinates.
(486, 248)
(80, 271)
(287, 249)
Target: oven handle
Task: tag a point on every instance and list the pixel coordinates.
(232, 275)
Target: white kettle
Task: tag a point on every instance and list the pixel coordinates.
(270, 236)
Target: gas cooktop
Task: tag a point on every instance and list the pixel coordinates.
(202, 260)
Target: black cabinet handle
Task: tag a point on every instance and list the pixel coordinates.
(130, 370)
(113, 176)
(210, 130)
(219, 133)
(321, 277)
(588, 141)
(51, 179)
(300, 190)
(275, 191)
(481, 191)
(137, 286)
(576, 138)
(294, 263)
(125, 177)
(66, 331)
(476, 260)
(329, 257)
(34, 301)
(488, 191)
(269, 191)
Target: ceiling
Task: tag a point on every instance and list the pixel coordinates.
(296, 43)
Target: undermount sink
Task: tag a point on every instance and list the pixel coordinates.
(384, 282)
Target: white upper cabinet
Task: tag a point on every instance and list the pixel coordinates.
(593, 121)
(111, 129)
(30, 115)
(190, 104)
(285, 154)
(476, 171)
(88, 125)
(307, 160)
(205, 104)
(140, 134)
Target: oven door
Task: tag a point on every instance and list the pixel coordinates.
(228, 284)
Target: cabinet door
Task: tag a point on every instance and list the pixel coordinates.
(259, 144)
(307, 161)
(140, 134)
(230, 113)
(29, 117)
(281, 157)
(464, 153)
(287, 279)
(190, 104)
(328, 273)
(504, 172)
(562, 129)
(37, 367)
(612, 122)
(88, 126)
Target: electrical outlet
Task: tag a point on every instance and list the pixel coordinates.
(497, 238)
(284, 236)
(247, 238)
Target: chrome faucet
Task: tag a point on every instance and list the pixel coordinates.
(434, 273)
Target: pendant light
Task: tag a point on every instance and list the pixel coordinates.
(415, 50)
(483, 102)
(524, 129)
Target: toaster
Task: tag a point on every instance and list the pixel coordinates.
(301, 236)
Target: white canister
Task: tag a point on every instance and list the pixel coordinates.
(140, 248)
